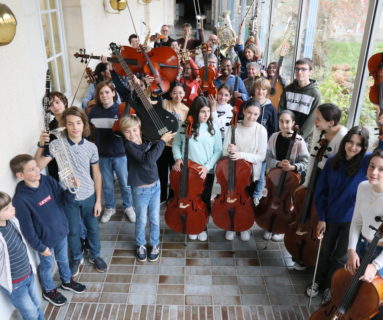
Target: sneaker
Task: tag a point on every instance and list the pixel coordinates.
(75, 267)
(267, 235)
(193, 236)
(277, 237)
(107, 214)
(130, 214)
(256, 201)
(327, 296)
(154, 253)
(230, 235)
(99, 264)
(202, 236)
(312, 290)
(54, 297)
(299, 267)
(245, 235)
(73, 286)
(141, 253)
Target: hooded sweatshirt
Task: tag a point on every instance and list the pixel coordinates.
(268, 117)
(40, 213)
(303, 102)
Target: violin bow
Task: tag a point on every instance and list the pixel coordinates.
(316, 265)
(78, 86)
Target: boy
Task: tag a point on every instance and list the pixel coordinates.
(83, 157)
(302, 97)
(17, 276)
(144, 181)
(38, 201)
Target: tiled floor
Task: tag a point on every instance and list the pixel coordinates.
(217, 279)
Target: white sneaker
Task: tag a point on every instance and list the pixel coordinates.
(267, 235)
(312, 290)
(299, 267)
(202, 236)
(130, 214)
(277, 237)
(230, 235)
(245, 235)
(107, 214)
(193, 236)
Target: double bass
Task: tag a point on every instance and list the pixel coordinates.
(233, 209)
(353, 298)
(300, 238)
(186, 212)
(155, 120)
(275, 212)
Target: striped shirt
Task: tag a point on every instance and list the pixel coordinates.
(18, 256)
(82, 155)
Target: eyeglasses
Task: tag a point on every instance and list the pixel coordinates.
(163, 30)
(301, 69)
(187, 68)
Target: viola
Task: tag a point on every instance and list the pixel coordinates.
(156, 36)
(275, 212)
(207, 75)
(233, 209)
(375, 67)
(123, 110)
(351, 297)
(300, 238)
(155, 121)
(277, 87)
(186, 212)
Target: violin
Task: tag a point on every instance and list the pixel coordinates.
(233, 209)
(275, 212)
(353, 298)
(300, 238)
(375, 67)
(155, 121)
(90, 75)
(207, 75)
(186, 212)
(156, 36)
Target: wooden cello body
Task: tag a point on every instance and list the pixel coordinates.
(186, 212)
(300, 238)
(233, 209)
(275, 212)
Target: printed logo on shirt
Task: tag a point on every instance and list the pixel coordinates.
(299, 102)
(44, 201)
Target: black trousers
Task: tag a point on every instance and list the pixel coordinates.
(164, 165)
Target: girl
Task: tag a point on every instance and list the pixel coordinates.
(166, 161)
(221, 112)
(83, 157)
(251, 145)
(334, 198)
(189, 81)
(326, 121)
(204, 148)
(277, 147)
(368, 205)
(112, 152)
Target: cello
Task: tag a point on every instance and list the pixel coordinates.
(207, 75)
(154, 121)
(275, 212)
(353, 298)
(375, 67)
(300, 238)
(186, 212)
(233, 209)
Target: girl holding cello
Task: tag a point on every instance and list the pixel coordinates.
(277, 148)
(334, 198)
(251, 145)
(205, 148)
(326, 121)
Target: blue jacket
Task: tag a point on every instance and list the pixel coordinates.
(231, 82)
(335, 191)
(108, 143)
(268, 118)
(40, 213)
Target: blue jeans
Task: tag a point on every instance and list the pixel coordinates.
(362, 248)
(46, 266)
(74, 211)
(25, 298)
(108, 165)
(146, 201)
(260, 184)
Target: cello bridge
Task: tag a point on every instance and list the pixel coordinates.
(183, 206)
(230, 200)
(299, 232)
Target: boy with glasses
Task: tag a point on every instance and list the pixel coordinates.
(302, 97)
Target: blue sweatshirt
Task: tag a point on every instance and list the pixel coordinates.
(268, 118)
(108, 143)
(335, 191)
(40, 213)
(142, 164)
